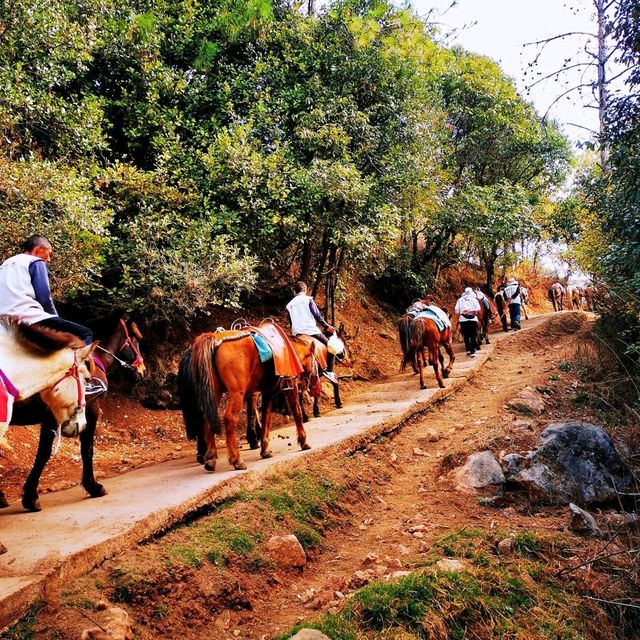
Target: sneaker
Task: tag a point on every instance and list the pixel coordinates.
(472, 355)
(468, 353)
(95, 387)
(331, 376)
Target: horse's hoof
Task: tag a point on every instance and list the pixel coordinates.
(316, 414)
(305, 447)
(200, 459)
(445, 374)
(240, 466)
(253, 445)
(339, 405)
(3, 503)
(423, 386)
(210, 466)
(96, 490)
(266, 454)
(441, 385)
(31, 505)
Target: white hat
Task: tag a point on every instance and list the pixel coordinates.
(468, 290)
(512, 281)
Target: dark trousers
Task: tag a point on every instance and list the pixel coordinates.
(514, 314)
(57, 323)
(469, 330)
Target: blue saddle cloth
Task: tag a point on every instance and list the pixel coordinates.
(264, 350)
(431, 315)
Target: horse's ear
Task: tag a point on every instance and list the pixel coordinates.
(136, 331)
(312, 347)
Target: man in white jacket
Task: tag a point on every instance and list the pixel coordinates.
(467, 307)
(25, 293)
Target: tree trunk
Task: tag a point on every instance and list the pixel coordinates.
(323, 260)
(305, 264)
(603, 94)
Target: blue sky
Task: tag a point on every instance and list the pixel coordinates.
(501, 29)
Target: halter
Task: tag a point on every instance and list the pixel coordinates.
(127, 342)
(74, 372)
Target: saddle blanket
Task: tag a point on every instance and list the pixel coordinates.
(437, 315)
(320, 352)
(6, 406)
(262, 346)
(285, 359)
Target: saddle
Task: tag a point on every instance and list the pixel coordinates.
(285, 359)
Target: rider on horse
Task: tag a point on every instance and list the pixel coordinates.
(25, 293)
(305, 317)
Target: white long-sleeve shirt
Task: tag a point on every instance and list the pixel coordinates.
(468, 303)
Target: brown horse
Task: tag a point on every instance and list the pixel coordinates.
(557, 296)
(119, 339)
(424, 334)
(228, 362)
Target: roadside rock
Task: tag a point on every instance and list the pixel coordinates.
(576, 462)
(528, 401)
(287, 551)
(116, 626)
(360, 578)
(451, 564)
(3, 549)
(583, 522)
(309, 634)
(480, 471)
(505, 547)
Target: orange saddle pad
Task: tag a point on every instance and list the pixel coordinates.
(320, 352)
(285, 359)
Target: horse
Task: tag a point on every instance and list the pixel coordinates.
(484, 316)
(228, 362)
(574, 294)
(502, 306)
(119, 344)
(321, 353)
(424, 333)
(40, 360)
(556, 295)
(524, 301)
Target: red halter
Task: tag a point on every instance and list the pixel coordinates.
(74, 372)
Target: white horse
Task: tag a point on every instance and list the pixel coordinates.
(55, 364)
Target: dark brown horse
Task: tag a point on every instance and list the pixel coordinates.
(228, 362)
(484, 316)
(119, 338)
(425, 334)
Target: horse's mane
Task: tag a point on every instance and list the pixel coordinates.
(37, 339)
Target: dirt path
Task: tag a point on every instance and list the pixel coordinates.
(411, 501)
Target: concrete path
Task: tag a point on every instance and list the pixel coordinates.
(74, 533)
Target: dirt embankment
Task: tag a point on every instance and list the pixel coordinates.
(392, 506)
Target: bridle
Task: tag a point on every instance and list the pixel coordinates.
(126, 342)
(74, 372)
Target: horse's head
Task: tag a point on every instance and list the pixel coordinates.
(128, 337)
(345, 358)
(66, 398)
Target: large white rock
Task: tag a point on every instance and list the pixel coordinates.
(480, 471)
(287, 551)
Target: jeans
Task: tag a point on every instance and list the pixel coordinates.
(514, 314)
(84, 333)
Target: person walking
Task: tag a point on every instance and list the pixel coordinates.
(305, 317)
(467, 308)
(513, 298)
(25, 293)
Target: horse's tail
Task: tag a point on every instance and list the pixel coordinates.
(403, 331)
(204, 376)
(416, 331)
(191, 414)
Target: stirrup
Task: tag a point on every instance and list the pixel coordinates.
(95, 387)
(285, 384)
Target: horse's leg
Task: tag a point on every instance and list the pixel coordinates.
(452, 358)
(90, 484)
(296, 412)
(316, 406)
(445, 373)
(230, 420)
(251, 406)
(421, 367)
(336, 395)
(211, 453)
(201, 448)
(433, 356)
(48, 431)
(485, 327)
(267, 401)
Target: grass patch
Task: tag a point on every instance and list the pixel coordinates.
(565, 366)
(24, 628)
(495, 598)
